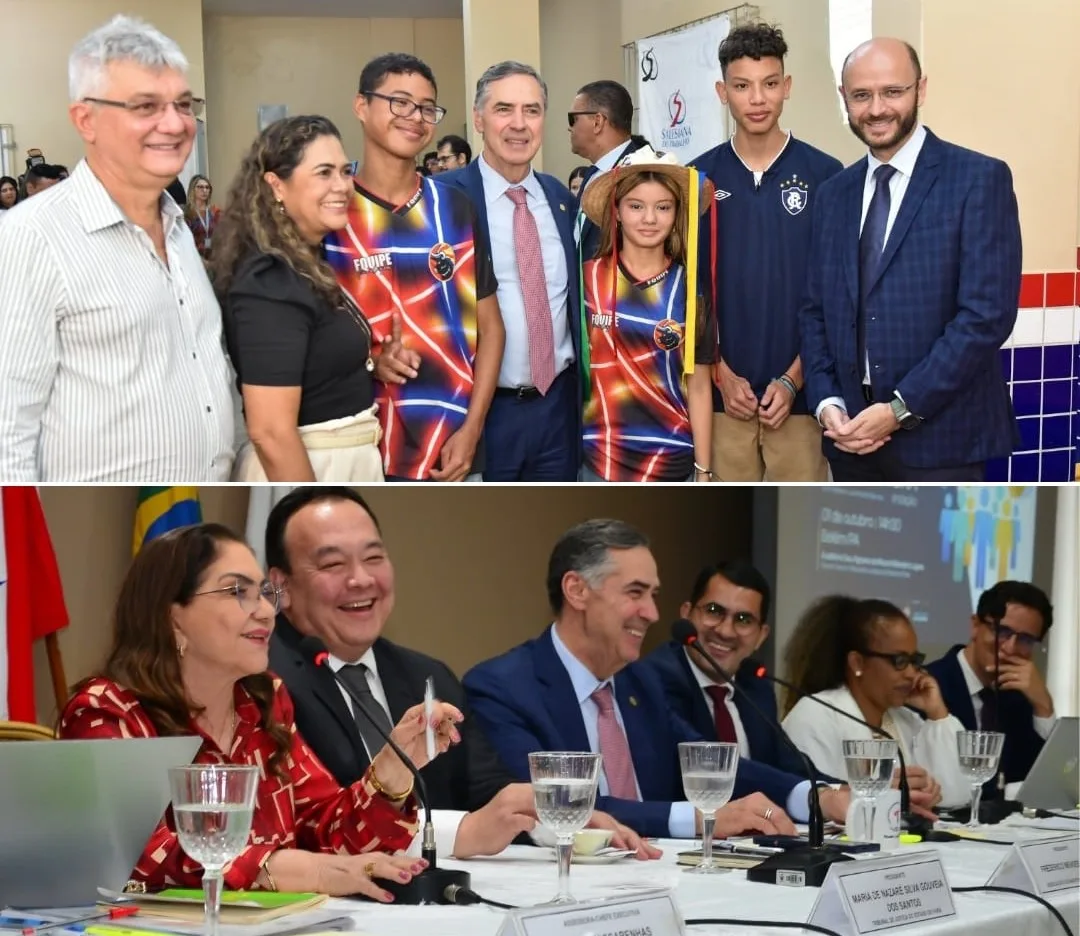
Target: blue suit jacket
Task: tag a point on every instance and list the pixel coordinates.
(684, 697)
(943, 301)
(525, 702)
(1022, 741)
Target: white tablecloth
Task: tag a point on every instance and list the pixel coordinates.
(525, 876)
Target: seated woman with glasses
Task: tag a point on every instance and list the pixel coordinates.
(863, 658)
(189, 656)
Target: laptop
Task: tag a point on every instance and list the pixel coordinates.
(1054, 779)
(76, 815)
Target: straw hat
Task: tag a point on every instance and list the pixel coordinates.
(596, 202)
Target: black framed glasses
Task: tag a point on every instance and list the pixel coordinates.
(249, 594)
(149, 109)
(715, 615)
(406, 107)
(1025, 642)
(572, 116)
(899, 661)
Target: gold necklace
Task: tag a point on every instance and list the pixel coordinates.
(358, 316)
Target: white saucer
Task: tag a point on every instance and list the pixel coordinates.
(605, 856)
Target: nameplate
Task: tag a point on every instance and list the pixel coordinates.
(874, 894)
(1042, 866)
(649, 913)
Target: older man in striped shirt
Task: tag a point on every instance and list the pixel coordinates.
(111, 361)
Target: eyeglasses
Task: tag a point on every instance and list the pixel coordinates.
(404, 107)
(1024, 642)
(572, 116)
(900, 661)
(147, 110)
(248, 594)
(861, 98)
(715, 614)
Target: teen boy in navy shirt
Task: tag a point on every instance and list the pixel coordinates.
(766, 187)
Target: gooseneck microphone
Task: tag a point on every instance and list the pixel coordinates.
(433, 885)
(908, 820)
(807, 865)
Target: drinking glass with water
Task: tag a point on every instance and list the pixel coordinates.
(212, 806)
(708, 775)
(869, 771)
(564, 787)
(979, 753)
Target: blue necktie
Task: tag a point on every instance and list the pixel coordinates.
(871, 245)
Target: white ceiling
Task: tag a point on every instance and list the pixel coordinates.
(389, 8)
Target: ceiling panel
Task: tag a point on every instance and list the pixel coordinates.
(390, 8)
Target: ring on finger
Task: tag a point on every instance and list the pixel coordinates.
(767, 815)
(369, 869)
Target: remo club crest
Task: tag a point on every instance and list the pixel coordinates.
(794, 195)
(442, 261)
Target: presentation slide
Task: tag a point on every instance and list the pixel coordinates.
(930, 550)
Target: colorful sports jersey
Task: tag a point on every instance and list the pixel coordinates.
(637, 426)
(427, 261)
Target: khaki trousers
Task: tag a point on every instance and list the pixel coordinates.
(747, 450)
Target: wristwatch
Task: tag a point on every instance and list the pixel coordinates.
(904, 416)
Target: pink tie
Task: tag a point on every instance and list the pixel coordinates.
(530, 264)
(618, 767)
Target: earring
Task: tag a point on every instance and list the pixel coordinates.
(281, 206)
(858, 672)
(180, 648)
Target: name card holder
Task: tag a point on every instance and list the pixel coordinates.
(888, 893)
(647, 913)
(1041, 866)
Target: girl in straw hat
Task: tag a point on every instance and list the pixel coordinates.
(648, 413)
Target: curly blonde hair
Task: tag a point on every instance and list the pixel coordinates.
(252, 219)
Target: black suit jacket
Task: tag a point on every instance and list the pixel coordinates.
(590, 233)
(465, 778)
(685, 697)
(1015, 717)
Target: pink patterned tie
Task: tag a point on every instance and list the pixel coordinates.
(530, 264)
(614, 749)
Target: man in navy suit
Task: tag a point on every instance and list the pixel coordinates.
(533, 428)
(913, 286)
(579, 687)
(1010, 622)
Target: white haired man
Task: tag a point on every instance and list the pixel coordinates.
(111, 361)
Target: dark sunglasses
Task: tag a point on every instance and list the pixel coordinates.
(900, 661)
(572, 116)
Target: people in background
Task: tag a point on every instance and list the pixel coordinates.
(175, 190)
(43, 176)
(648, 333)
(579, 687)
(189, 656)
(533, 426)
(431, 163)
(301, 347)
(414, 259)
(9, 192)
(929, 275)
(454, 152)
(326, 553)
(863, 657)
(762, 429)
(577, 179)
(112, 366)
(202, 214)
(1008, 628)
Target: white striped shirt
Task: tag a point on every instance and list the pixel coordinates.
(112, 366)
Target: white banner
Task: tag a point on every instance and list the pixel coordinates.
(679, 111)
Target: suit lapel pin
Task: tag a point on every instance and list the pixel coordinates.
(633, 701)
(562, 207)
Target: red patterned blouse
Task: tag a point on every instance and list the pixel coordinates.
(309, 810)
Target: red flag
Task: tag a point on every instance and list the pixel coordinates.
(31, 597)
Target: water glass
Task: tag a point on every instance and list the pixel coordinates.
(708, 775)
(212, 806)
(979, 753)
(869, 771)
(564, 788)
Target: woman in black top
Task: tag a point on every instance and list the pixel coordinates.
(301, 349)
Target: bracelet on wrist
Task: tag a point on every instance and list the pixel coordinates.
(704, 471)
(271, 884)
(787, 383)
(383, 791)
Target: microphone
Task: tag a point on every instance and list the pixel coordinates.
(913, 823)
(433, 885)
(804, 865)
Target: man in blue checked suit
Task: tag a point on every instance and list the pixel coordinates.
(533, 428)
(579, 687)
(913, 287)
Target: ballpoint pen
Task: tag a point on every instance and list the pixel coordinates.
(114, 913)
(429, 708)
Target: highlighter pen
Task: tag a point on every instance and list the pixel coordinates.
(429, 710)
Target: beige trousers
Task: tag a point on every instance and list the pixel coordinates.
(747, 450)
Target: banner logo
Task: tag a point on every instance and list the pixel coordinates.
(676, 106)
(649, 69)
(678, 133)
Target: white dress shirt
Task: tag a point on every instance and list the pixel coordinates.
(445, 821)
(729, 703)
(820, 734)
(903, 162)
(1043, 726)
(112, 366)
(515, 370)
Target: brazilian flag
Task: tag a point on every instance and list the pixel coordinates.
(161, 509)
